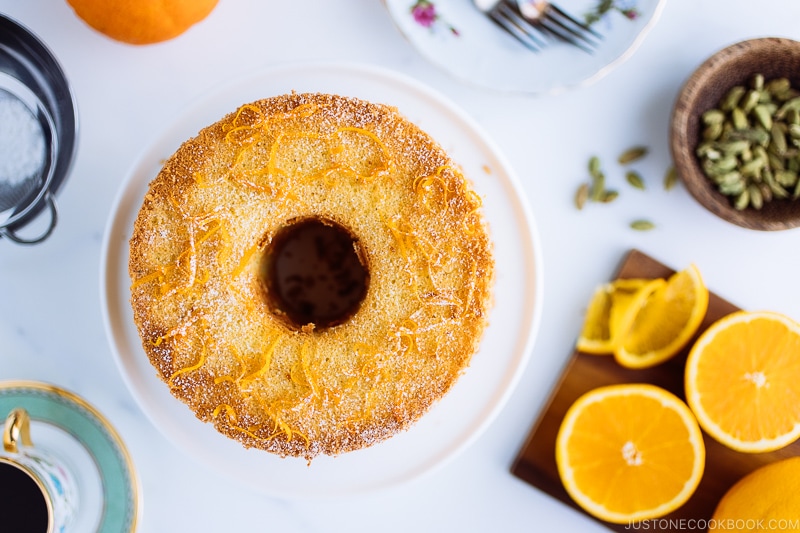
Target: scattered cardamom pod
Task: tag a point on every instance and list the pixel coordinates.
(635, 179)
(609, 196)
(581, 195)
(670, 178)
(632, 154)
(642, 225)
(594, 166)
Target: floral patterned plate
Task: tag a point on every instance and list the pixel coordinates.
(457, 37)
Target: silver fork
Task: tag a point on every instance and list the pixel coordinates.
(532, 22)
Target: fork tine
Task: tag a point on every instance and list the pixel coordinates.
(560, 31)
(516, 26)
(566, 31)
(572, 20)
(519, 21)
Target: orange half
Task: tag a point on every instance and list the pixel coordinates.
(629, 452)
(743, 381)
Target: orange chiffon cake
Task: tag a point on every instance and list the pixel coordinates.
(310, 274)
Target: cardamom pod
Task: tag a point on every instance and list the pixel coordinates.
(756, 200)
(742, 200)
(793, 104)
(739, 118)
(635, 179)
(632, 154)
(594, 166)
(786, 178)
(732, 98)
(777, 86)
(712, 132)
(751, 100)
(598, 188)
(763, 115)
(778, 143)
(766, 192)
(713, 116)
(670, 178)
(609, 196)
(642, 225)
(581, 195)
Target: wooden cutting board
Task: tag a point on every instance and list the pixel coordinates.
(536, 463)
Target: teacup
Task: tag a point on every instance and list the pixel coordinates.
(37, 491)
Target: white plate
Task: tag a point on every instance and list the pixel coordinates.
(466, 43)
(479, 394)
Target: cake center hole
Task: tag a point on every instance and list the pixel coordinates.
(315, 273)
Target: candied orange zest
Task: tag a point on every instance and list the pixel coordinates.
(403, 237)
(253, 185)
(147, 278)
(234, 127)
(244, 260)
(228, 410)
(238, 176)
(423, 186)
(440, 298)
(200, 180)
(225, 249)
(324, 175)
(273, 410)
(177, 331)
(200, 362)
(407, 331)
(267, 361)
(250, 433)
(241, 365)
(388, 162)
(192, 262)
(302, 111)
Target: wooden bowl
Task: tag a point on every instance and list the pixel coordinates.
(735, 65)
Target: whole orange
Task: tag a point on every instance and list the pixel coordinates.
(142, 21)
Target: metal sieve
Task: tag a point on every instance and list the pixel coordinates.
(38, 131)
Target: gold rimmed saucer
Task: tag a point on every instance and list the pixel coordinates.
(76, 427)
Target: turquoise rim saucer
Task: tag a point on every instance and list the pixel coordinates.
(53, 405)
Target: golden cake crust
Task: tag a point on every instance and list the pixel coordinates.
(200, 306)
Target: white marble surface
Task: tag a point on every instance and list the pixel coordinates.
(51, 327)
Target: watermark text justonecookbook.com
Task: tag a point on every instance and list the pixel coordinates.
(728, 524)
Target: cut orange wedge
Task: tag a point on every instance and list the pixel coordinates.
(629, 452)
(611, 311)
(666, 322)
(743, 381)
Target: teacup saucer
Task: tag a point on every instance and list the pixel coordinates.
(71, 428)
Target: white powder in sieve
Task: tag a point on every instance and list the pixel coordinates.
(22, 147)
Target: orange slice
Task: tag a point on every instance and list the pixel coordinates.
(743, 381)
(666, 322)
(611, 311)
(629, 452)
